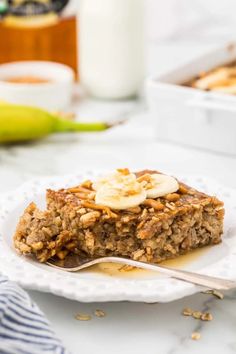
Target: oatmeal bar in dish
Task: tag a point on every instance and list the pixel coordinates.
(145, 216)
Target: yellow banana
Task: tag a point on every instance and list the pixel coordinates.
(22, 123)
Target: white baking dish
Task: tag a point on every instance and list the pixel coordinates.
(190, 116)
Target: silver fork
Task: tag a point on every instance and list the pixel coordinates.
(74, 264)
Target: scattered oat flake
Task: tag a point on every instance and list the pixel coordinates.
(196, 335)
(83, 317)
(216, 293)
(187, 311)
(197, 315)
(207, 316)
(99, 313)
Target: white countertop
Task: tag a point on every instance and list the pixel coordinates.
(129, 327)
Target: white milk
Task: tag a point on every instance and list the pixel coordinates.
(111, 41)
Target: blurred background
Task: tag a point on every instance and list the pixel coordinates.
(207, 20)
(173, 20)
(118, 59)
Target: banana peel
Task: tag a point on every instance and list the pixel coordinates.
(24, 123)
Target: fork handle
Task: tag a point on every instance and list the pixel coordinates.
(190, 277)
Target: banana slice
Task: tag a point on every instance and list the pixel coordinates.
(226, 89)
(122, 190)
(121, 193)
(212, 79)
(122, 176)
(158, 185)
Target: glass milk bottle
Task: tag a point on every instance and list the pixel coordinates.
(111, 53)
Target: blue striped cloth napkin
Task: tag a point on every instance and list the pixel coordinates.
(23, 327)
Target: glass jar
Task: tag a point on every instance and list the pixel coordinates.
(111, 47)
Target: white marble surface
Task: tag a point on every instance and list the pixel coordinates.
(137, 328)
(129, 328)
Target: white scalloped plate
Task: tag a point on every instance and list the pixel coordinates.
(91, 286)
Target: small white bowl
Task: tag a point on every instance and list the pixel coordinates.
(55, 94)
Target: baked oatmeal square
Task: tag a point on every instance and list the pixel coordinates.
(145, 216)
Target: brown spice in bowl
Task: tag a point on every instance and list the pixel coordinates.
(27, 80)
